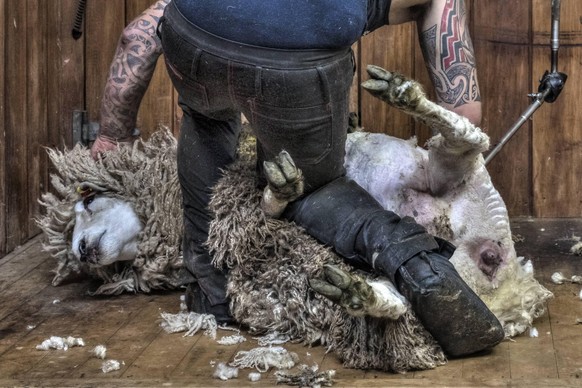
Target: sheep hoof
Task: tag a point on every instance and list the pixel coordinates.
(326, 289)
(284, 178)
(393, 88)
(346, 289)
(285, 184)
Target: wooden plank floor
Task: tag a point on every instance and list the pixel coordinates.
(31, 310)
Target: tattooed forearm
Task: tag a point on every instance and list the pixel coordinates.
(130, 73)
(449, 56)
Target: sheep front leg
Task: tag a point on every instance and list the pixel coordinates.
(285, 184)
(459, 135)
(377, 298)
(455, 151)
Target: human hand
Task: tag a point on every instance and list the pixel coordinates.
(103, 144)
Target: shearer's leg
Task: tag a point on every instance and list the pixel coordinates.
(341, 214)
(344, 216)
(207, 143)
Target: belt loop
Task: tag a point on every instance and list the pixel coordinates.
(159, 27)
(258, 81)
(324, 83)
(195, 62)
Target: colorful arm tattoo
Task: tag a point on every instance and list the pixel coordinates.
(449, 56)
(130, 73)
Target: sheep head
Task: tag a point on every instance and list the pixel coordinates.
(106, 229)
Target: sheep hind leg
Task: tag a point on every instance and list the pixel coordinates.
(359, 296)
(459, 135)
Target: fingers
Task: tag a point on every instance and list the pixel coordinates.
(101, 145)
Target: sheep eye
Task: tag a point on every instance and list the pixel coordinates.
(83, 247)
(87, 201)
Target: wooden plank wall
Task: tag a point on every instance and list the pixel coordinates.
(46, 74)
(41, 80)
(557, 131)
(3, 190)
(25, 38)
(504, 57)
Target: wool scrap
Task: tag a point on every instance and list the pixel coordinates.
(100, 351)
(110, 366)
(576, 249)
(307, 377)
(190, 322)
(231, 339)
(225, 372)
(60, 343)
(559, 278)
(274, 338)
(263, 358)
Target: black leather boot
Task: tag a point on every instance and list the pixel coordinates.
(206, 294)
(344, 216)
(447, 307)
(198, 303)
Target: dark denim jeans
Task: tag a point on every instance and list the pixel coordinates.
(295, 101)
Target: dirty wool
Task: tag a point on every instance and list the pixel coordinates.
(268, 272)
(269, 260)
(144, 174)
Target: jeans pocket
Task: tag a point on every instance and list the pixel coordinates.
(306, 133)
(191, 93)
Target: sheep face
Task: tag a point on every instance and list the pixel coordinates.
(106, 230)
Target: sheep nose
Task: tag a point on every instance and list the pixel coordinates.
(83, 250)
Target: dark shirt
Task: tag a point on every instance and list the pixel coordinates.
(285, 24)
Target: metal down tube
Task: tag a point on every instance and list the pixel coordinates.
(539, 100)
(555, 40)
(550, 86)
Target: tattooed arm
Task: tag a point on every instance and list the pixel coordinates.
(130, 73)
(449, 56)
(447, 50)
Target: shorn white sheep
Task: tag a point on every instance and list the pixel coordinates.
(119, 219)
